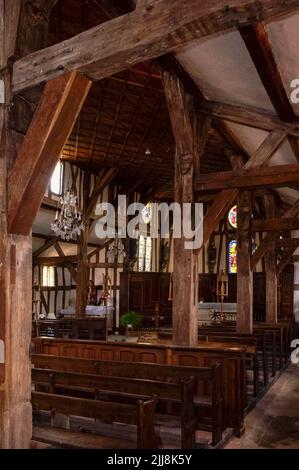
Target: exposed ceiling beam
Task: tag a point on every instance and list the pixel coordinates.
(267, 241)
(257, 42)
(56, 260)
(259, 47)
(48, 244)
(227, 197)
(151, 30)
(49, 130)
(51, 237)
(270, 176)
(249, 116)
(275, 225)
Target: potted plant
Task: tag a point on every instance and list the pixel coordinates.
(130, 321)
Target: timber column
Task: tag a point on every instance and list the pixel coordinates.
(15, 274)
(185, 275)
(271, 267)
(83, 269)
(244, 276)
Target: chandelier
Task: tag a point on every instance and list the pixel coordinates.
(68, 223)
(116, 248)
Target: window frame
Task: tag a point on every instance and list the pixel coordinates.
(62, 168)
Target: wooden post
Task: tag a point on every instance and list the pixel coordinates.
(271, 268)
(185, 275)
(26, 169)
(15, 272)
(244, 276)
(83, 268)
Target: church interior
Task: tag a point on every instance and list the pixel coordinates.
(109, 341)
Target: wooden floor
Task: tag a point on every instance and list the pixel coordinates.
(274, 422)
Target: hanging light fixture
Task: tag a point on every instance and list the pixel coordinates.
(68, 223)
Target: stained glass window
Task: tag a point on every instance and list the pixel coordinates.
(232, 217)
(232, 257)
(144, 254)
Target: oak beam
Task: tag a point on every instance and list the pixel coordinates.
(227, 197)
(69, 266)
(248, 116)
(185, 273)
(267, 240)
(270, 176)
(244, 275)
(51, 125)
(275, 225)
(153, 29)
(101, 182)
(270, 267)
(257, 42)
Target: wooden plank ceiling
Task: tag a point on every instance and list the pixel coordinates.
(124, 116)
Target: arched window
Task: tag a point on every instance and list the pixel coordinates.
(144, 254)
(232, 217)
(232, 257)
(56, 185)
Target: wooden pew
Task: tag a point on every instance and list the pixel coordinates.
(266, 343)
(122, 388)
(208, 391)
(232, 360)
(231, 335)
(142, 414)
(251, 345)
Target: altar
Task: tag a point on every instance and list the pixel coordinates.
(207, 311)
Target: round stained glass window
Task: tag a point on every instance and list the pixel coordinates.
(232, 217)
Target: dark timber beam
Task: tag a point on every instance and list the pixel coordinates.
(256, 39)
(153, 29)
(257, 42)
(101, 182)
(270, 176)
(249, 116)
(51, 125)
(244, 275)
(271, 267)
(227, 197)
(266, 243)
(275, 225)
(185, 273)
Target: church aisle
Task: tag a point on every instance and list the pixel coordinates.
(274, 423)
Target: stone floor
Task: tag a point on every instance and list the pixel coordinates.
(274, 422)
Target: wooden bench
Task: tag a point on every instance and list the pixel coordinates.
(232, 360)
(260, 338)
(266, 344)
(251, 345)
(141, 415)
(126, 389)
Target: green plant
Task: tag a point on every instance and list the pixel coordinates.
(130, 318)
